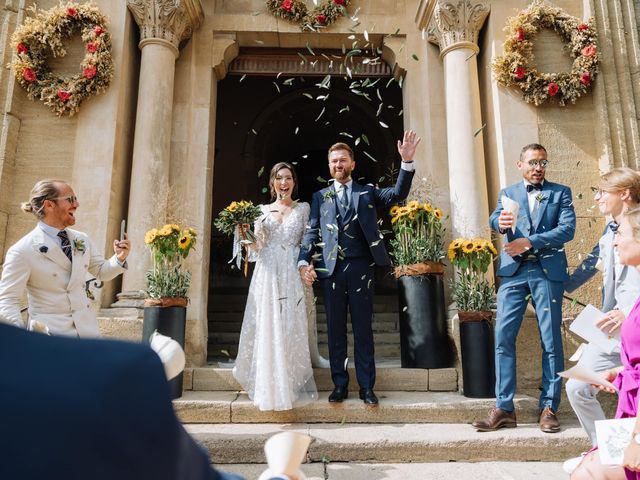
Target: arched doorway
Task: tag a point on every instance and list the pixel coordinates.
(263, 118)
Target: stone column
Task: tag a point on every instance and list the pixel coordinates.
(454, 27)
(164, 25)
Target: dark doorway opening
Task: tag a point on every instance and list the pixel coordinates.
(265, 119)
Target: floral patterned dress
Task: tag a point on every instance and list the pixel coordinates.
(273, 363)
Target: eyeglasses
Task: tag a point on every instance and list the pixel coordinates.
(538, 163)
(71, 199)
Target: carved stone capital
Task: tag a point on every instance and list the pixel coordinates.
(452, 25)
(172, 21)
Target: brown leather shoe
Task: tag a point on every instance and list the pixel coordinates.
(548, 421)
(497, 418)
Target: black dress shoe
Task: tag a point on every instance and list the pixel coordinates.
(368, 396)
(339, 394)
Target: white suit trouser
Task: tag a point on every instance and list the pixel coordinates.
(582, 396)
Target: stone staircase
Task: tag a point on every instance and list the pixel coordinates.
(226, 309)
(422, 420)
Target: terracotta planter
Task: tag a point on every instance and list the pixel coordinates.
(478, 354)
(424, 336)
(169, 321)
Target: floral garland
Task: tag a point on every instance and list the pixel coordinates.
(514, 67)
(45, 31)
(296, 11)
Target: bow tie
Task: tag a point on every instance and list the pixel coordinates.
(534, 186)
(613, 226)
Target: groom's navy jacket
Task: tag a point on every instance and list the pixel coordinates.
(324, 223)
(76, 409)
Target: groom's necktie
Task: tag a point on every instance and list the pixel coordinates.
(66, 245)
(343, 200)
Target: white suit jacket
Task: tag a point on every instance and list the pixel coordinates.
(627, 278)
(55, 286)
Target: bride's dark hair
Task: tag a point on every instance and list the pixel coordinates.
(272, 178)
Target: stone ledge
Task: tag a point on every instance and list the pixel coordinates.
(395, 407)
(395, 443)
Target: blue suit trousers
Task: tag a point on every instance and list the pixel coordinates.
(529, 282)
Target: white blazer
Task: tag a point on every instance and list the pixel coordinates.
(627, 278)
(55, 287)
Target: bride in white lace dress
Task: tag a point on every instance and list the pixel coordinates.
(278, 339)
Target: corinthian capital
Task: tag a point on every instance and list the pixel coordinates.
(170, 20)
(452, 25)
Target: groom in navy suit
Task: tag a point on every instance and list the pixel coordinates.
(533, 266)
(343, 219)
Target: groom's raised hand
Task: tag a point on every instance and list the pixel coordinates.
(407, 147)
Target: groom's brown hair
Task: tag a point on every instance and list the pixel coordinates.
(341, 146)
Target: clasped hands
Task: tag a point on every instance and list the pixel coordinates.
(517, 246)
(307, 274)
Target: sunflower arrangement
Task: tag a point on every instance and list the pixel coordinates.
(418, 232)
(169, 246)
(238, 214)
(471, 290)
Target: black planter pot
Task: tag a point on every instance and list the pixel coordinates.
(424, 337)
(169, 321)
(478, 356)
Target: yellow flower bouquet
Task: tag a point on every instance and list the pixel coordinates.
(418, 230)
(170, 246)
(234, 215)
(471, 291)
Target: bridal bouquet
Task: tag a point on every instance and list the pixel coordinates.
(471, 290)
(170, 246)
(235, 215)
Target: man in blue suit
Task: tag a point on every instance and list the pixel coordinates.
(343, 226)
(79, 409)
(533, 265)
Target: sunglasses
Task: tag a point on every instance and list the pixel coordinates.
(71, 199)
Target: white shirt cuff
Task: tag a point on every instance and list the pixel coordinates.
(408, 166)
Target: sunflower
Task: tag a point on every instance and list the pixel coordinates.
(468, 246)
(491, 248)
(185, 241)
(394, 210)
(427, 207)
(233, 206)
(457, 243)
(150, 236)
(479, 245)
(166, 231)
(413, 205)
(191, 231)
(437, 213)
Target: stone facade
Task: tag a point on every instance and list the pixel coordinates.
(154, 128)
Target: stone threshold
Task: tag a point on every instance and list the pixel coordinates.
(389, 377)
(402, 443)
(394, 408)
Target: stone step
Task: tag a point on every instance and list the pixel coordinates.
(237, 302)
(379, 338)
(228, 325)
(403, 471)
(399, 443)
(394, 407)
(388, 378)
(230, 350)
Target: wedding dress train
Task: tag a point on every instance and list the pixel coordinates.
(274, 362)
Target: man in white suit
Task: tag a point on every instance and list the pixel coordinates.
(51, 264)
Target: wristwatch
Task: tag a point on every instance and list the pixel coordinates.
(636, 438)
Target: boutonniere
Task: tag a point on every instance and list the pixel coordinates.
(78, 245)
(328, 195)
(44, 249)
(540, 198)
